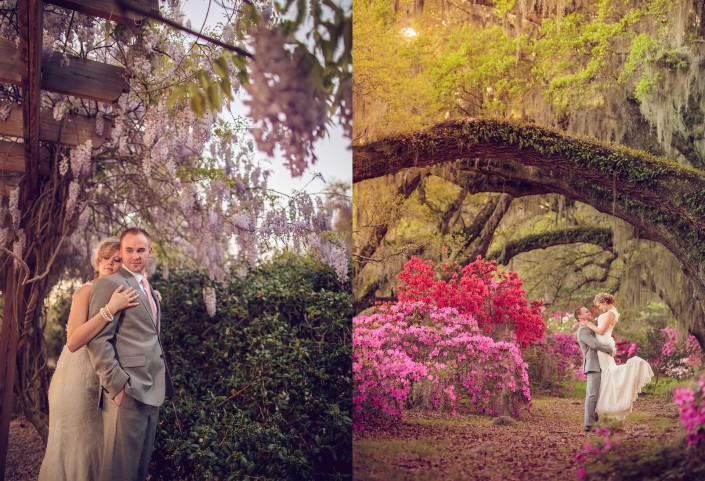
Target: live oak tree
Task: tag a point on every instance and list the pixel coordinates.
(662, 199)
(618, 72)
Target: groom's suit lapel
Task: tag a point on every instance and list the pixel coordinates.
(132, 282)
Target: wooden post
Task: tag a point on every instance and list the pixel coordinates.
(29, 13)
(30, 26)
(9, 336)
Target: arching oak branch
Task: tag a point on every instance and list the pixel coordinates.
(586, 235)
(664, 200)
(639, 175)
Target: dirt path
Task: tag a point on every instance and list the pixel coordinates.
(467, 447)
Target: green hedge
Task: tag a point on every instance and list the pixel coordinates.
(263, 388)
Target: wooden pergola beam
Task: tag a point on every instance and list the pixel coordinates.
(84, 78)
(73, 129)
(11, 157)
(110, 9)
(80, 78)
(30, 16)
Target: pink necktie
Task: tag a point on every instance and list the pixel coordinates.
(152, 304)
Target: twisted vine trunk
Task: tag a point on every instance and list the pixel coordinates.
(24, 379)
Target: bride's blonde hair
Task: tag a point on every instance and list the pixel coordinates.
(106, 248)
(604, 297)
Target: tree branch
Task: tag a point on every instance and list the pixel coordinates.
(587, 235)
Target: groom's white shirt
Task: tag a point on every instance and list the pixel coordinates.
(136, 276)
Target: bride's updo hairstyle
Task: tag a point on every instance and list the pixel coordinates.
(604, 297)
(106, 248)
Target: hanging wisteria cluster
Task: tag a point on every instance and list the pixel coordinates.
(284, 101)
(194, 180)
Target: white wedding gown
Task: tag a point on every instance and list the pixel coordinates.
(75, 443)
(619, 384)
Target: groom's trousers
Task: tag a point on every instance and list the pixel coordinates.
(128, 436)
(592, 394)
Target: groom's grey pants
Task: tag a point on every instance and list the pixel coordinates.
(592, 394)
(128, 436)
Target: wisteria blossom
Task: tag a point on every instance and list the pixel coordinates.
(209, 300)
(284, 103)
(193, 178)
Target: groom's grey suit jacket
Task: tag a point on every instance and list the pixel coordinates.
(127, 352)
(590, 345)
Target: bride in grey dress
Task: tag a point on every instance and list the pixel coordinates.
(75, 442)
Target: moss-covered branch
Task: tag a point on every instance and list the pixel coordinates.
(365, 253)
(665, 201)
(488, 222)
(654, 181)
(586, 235)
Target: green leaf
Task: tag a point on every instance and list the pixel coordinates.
(203, 78)
(243, 77)
(213, 99)
(220, 66)
(198, 100)
(177, 94)
(239, 62)
(227, 89)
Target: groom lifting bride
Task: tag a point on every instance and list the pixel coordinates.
(589, 345)
(611, 389)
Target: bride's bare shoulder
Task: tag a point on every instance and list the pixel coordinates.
(613, 316)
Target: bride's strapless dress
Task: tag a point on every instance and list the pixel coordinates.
(75, 443)
(620, 384)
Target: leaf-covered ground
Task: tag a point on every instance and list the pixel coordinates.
(542, 446)
(25, 451)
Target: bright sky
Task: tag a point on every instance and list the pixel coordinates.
(334, 157)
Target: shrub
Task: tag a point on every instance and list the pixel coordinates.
(625, 350)
(263, 387)
(682, 459)
(496, 300)
(422, 354)
(691, 404)
(669, 356)
(554, 362)
(654, 461)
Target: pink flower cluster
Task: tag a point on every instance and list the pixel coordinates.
(691, 402)
(435, 357)
(495, 299)
(678, 359)
(603, 444)
(564, 348)
(625, 350)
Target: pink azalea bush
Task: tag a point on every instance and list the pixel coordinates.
(676, 358)
(691, 402)
(565, 348)
(554, 361)
(416, 353)
(625, 350)
(496, 300)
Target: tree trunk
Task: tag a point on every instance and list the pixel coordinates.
(664, 200)
(13, 310)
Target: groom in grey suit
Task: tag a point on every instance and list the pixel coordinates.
(589, 345)
(128, 358)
